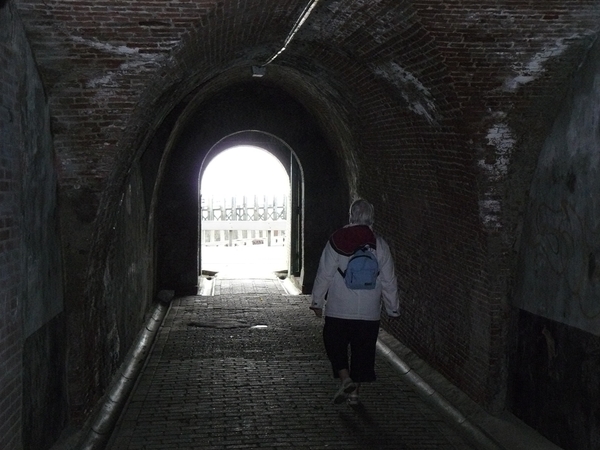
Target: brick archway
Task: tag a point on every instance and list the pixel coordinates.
(321, 188)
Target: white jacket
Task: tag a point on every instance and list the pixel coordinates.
(344, 303)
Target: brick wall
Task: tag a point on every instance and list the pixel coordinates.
(436, 111)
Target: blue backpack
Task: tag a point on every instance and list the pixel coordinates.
(362, 270)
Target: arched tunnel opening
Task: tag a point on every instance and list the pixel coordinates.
(244, 210)
(267, 117)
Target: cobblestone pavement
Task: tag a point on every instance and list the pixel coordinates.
(246, 369)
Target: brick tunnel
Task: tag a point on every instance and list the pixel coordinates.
(472, 126)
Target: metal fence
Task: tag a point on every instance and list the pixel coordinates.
(242, 221)
(244, 209)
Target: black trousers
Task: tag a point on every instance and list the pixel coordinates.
(358, 335)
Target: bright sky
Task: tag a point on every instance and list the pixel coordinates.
(244, 171)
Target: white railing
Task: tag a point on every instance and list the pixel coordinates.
(242, 221)
(243, 209)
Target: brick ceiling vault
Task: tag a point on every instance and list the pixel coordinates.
(482, 77)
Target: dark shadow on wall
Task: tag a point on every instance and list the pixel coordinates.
(555, 386)
(44, 417)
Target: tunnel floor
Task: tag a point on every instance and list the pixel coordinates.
(245, 368)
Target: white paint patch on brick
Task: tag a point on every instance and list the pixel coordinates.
(343, 15)
(419, 99)
(130, 66)
(532, 69)
(353, 171)
(120, 50)
(106, 80)
(499, 136)
(489, 213)
(144, 64)
(136, 61)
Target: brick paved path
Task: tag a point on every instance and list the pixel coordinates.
(246, 369)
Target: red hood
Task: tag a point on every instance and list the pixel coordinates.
(347, 240)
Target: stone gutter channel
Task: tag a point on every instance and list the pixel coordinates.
(451, 414)
(482, 430)
(98, 432)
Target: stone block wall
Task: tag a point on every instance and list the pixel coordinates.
(556, 355)
(33, 409)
